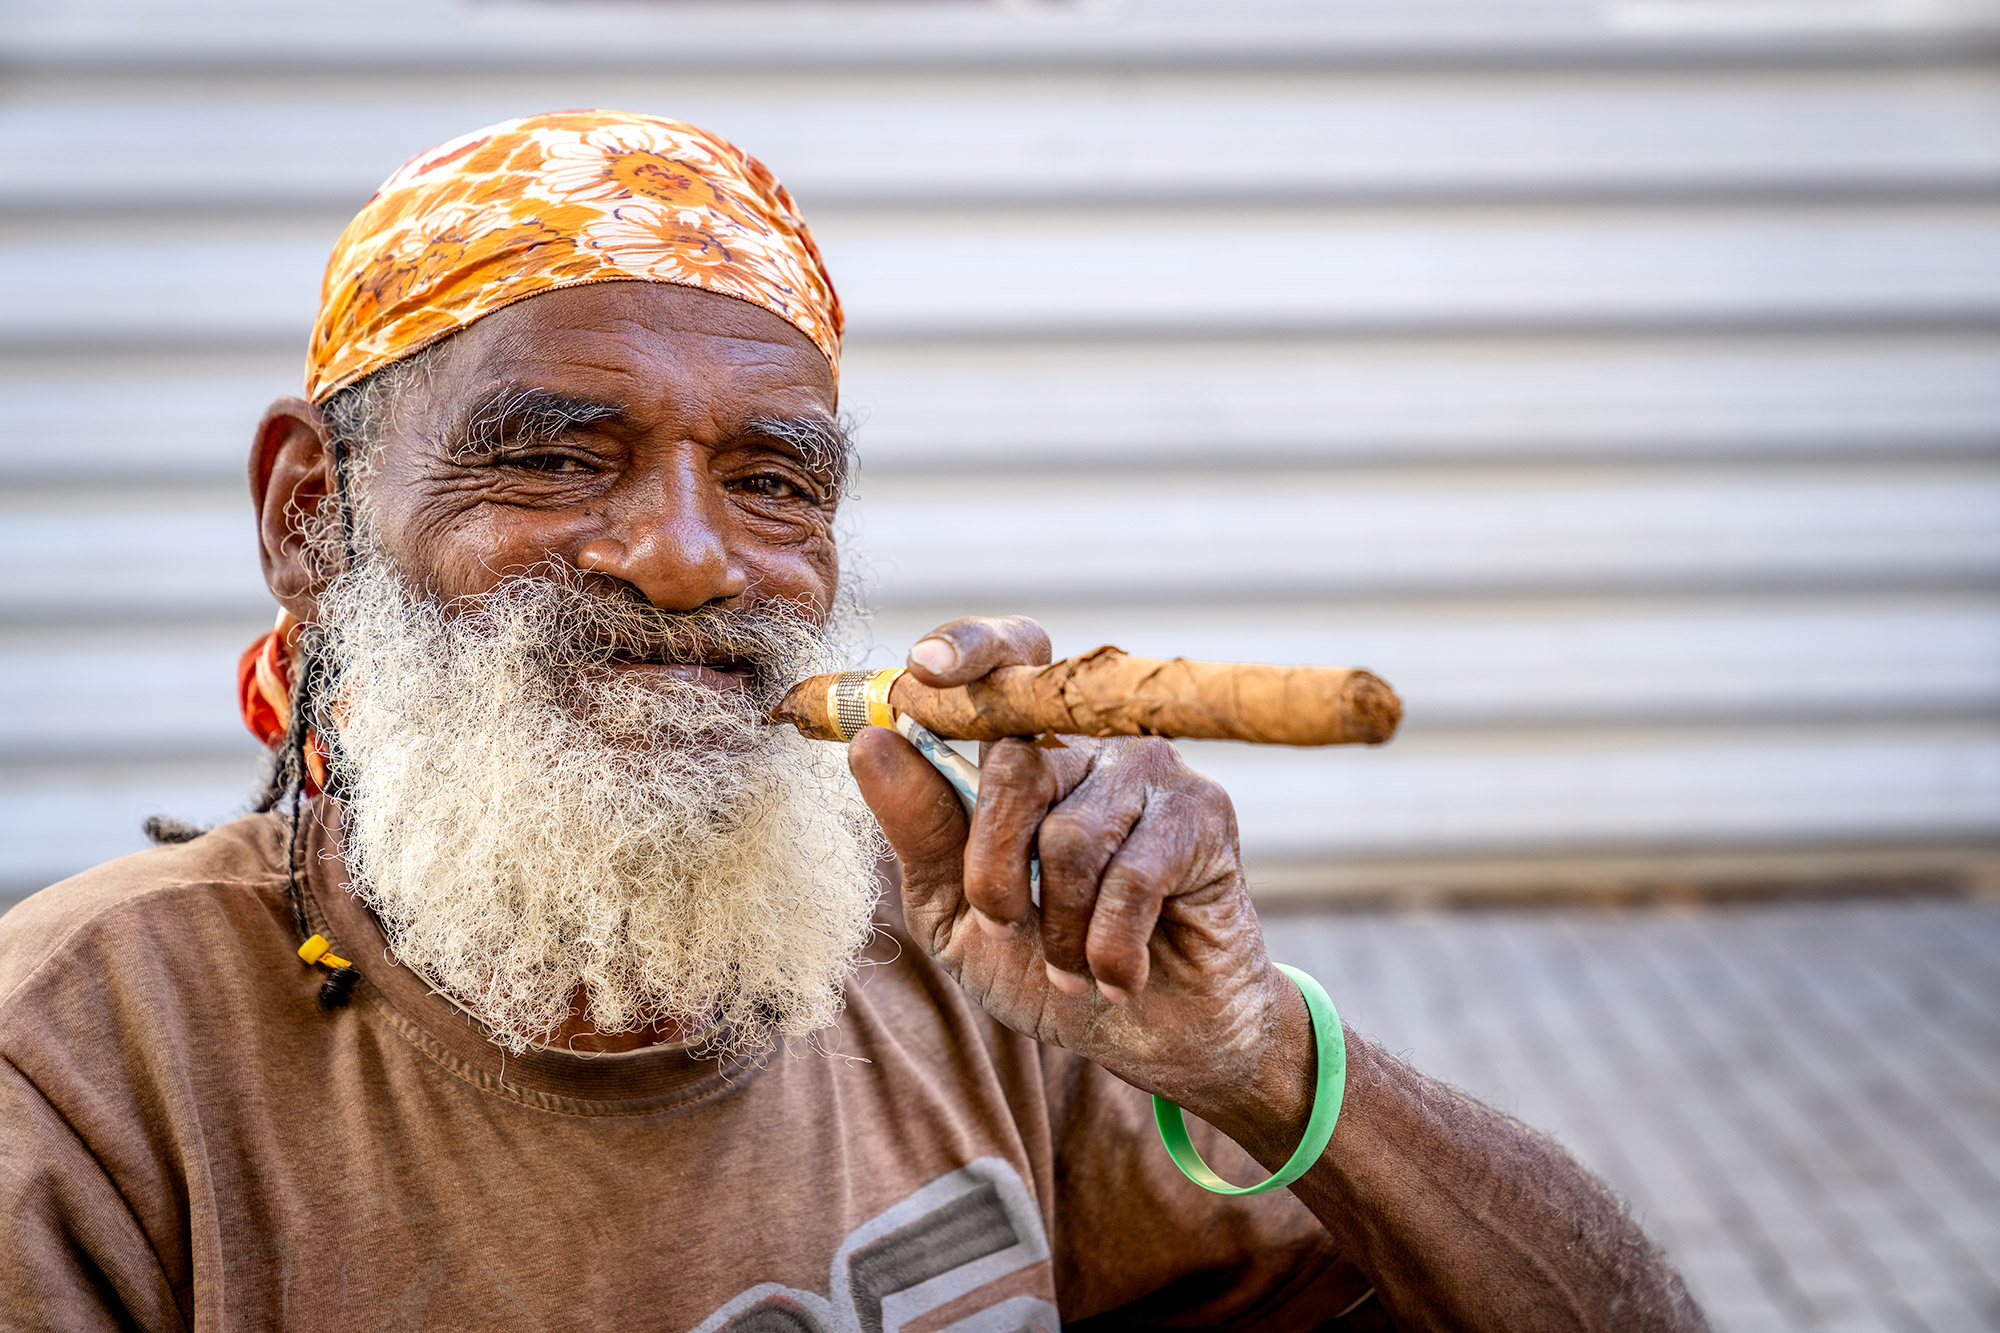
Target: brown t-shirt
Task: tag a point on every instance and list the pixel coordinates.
(188, 1140)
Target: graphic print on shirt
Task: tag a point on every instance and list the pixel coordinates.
(955, 1235)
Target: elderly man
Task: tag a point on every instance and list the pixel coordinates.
(550, 986)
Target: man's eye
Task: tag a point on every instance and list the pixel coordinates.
(543, 462)
(769, 485)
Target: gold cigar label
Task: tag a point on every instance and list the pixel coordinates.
(1107, 692)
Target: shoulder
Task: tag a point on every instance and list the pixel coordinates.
(167, 903)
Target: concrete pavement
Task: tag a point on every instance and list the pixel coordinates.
(1801, 1102)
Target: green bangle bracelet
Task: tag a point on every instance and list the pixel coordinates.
(1331, 1044)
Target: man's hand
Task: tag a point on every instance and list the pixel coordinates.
(1145, 955)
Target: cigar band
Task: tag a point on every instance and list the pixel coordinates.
(857, 699)
(879, 685)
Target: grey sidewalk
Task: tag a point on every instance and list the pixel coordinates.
(1802, 1103)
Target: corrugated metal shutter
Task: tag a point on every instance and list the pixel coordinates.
(1623, 382)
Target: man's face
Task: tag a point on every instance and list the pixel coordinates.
(676, 441)
(536, 832)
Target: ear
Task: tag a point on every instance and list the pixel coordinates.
(291, 476)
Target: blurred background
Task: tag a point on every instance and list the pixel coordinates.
(1621, 380)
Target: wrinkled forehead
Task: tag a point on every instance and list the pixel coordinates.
(648, 351)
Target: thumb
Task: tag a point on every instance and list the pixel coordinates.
(926, 826)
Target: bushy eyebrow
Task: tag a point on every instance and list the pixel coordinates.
(515, 416)
(823, 444)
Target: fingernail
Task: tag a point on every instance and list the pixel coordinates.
(934, 654)
(1068, 982)
(992, 926)
(1115, 994)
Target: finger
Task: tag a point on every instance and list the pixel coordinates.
(1017, 784)
(1183, 847)
(923, 821)
(965, 650)
(1129, 897)
(1078, 840)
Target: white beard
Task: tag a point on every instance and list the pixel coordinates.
(531, 826)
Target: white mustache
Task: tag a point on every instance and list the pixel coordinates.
(565, 623)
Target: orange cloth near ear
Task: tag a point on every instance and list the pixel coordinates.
(263, 683)
(264, 676)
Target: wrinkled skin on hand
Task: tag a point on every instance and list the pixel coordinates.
(1145, 955)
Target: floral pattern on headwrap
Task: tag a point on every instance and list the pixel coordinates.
(561, 200)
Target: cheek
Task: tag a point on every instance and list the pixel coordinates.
(458, 550)
(803, 571)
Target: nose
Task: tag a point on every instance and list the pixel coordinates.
(671, 543)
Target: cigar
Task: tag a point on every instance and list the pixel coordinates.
(1106, 692)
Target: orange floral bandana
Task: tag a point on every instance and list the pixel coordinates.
(561, 200)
